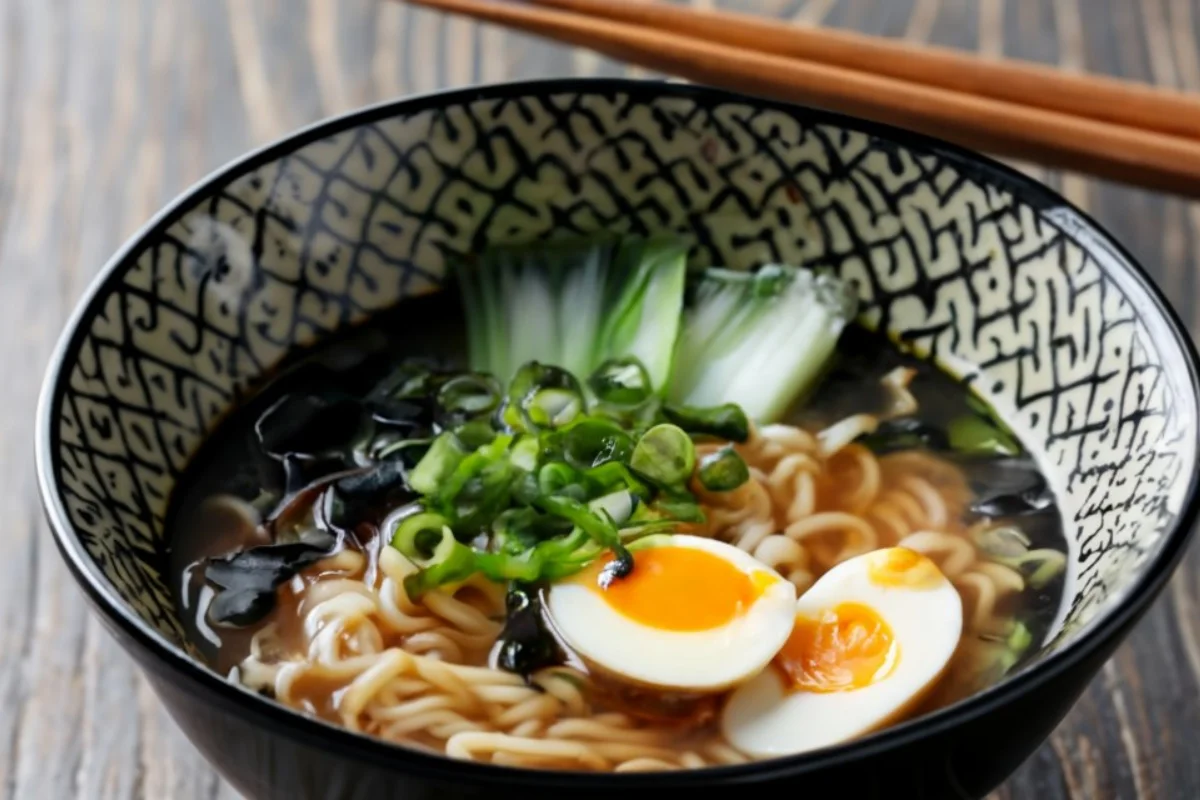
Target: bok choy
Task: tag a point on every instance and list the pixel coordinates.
(574, 305)
(759, 339)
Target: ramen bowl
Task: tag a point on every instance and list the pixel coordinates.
(969, 263)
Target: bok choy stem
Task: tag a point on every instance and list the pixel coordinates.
(574, 305)
(758, 339)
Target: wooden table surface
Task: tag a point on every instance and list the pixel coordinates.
(109, 108)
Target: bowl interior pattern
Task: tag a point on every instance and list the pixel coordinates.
(970, 264)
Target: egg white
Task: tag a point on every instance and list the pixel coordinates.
(703, 661)
(765, 717)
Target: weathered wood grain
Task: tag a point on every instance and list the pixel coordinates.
(108, 108)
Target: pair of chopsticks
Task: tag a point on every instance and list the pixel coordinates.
(1108, 128)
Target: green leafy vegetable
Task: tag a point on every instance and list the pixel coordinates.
(723, 471)
(643, 319)
(758, 340)
(574, 304)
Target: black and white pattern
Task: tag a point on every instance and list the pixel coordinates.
(969, 265)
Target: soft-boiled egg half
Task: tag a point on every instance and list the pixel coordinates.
(694, 614)
(871, 637)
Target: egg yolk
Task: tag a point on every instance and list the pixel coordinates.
(843, 650)
(681, 589)
(902, 568)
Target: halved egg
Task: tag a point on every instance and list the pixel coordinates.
(871, 637)
(694, 614)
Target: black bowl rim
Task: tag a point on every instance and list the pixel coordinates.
(1100, 633)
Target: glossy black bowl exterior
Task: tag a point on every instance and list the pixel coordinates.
(968, 261)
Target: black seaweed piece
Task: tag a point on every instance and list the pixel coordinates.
(414, 378)
(526, 645)
(367, 495)
(404, 414)
(241, 607)
(905, 433)
(1007, 486)
(309, 425)
(408, 452)
(620, 567)
(248, 579)
(301, 471)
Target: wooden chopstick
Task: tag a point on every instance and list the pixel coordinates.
(1123, 102)
(1053, 138)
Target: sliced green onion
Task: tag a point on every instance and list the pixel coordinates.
(468, 396)
(647, 542)
(621, 382)
(526, 566)
(478, 489)
(525, 488)
(1039, 567)
(563, 547)
(519, 529)
(1015, 645)
(542, 397)
(974, 435)
(596, 523)
(592, 442)
(553, 408)
(418, 536)
(1002, 541)
(681, 510)
(1020, 638)
(723, 470)
(618, 506)
(566, 567)
(556, 477)
(665, 455)
(612, 474)
(475, 434)
(524, 453)
(441, 557)
(726, 421)
(437, 465)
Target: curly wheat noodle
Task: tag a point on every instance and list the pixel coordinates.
(414, 672)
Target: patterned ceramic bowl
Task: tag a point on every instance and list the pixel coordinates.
(969, 261)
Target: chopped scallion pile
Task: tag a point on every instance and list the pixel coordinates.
(573, 434)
